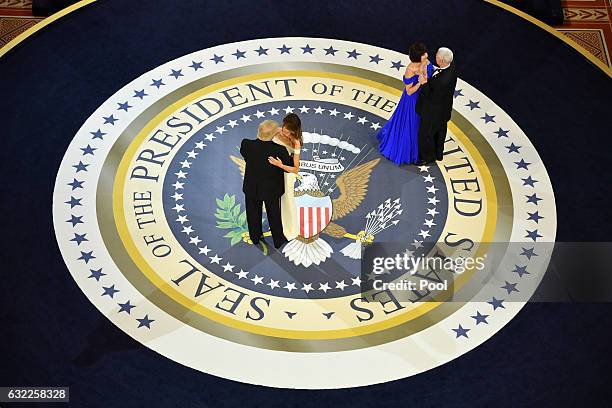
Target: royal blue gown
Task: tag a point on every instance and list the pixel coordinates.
(399, 137)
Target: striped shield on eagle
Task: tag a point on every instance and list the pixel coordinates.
(318, 212)
(314, 214)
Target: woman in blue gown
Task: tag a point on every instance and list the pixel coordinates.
(399, 137)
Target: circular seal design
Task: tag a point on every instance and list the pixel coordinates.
(150, 217)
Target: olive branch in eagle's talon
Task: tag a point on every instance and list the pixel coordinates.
(230, 217)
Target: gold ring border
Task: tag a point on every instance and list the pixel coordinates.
(607, 70)
(42, 24)
(320, 345)
(144, 267)
(31, 31)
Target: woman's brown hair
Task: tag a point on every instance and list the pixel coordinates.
(293, 123)
(416, 51)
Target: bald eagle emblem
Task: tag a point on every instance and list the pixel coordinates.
(318, 213)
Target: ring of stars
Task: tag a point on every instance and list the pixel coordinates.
(147, 88)
(203, 247)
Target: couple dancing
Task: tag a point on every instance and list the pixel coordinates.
(272, 162)
(416, 131)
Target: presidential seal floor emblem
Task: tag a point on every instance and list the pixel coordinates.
(149, 216)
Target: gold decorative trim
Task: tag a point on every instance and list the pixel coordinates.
(17, 40)
(32, 30)
(599, 64)
(599, 51)
(270, 338)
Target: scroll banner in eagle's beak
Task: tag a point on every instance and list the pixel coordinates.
(322, 165)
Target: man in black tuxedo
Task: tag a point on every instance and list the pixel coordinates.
(263, 182)
(434, 106)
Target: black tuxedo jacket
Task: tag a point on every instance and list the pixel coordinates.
(435, 100)
(262, 180)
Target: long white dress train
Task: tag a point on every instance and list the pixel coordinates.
(289, 213)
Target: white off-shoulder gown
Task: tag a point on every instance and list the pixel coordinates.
(289, 213)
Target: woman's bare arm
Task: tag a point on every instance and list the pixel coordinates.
(289, 169)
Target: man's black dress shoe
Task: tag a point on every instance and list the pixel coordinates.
(423, 162)
(281, 244)
(261, 238)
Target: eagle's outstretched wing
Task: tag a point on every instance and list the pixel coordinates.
(240, 162)
(334, 230)
(353, 185)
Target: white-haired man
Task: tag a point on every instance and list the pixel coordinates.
(434, 106)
